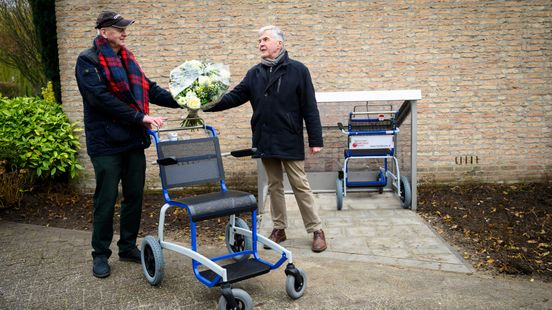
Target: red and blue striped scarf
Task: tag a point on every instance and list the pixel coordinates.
(125, 77)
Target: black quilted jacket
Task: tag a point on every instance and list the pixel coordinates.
(282, 98)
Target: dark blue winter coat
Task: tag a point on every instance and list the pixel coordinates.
(282, 97)
(110, 125)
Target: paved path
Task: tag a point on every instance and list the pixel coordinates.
(370, 228)
(50, 268)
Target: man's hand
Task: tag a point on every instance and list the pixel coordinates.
(152, 121)
(314, 150)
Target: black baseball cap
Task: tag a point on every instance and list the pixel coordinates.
(112, 19)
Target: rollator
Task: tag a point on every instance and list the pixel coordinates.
(372, 134)
(186, 162)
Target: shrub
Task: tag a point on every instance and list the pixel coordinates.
(37, 135)
(13, 184)
(48, 92)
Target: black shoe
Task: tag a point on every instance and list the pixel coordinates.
(133, 255)
(100, 268)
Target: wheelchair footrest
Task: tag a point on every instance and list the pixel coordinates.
(239, 271)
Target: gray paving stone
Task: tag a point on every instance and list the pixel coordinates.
(50, 268)
(373, 225)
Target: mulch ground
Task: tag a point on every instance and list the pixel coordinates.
(59, 207)
(497, 228)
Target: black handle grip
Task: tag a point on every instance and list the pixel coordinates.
(340, 126)
(167, 161)
(245, 152)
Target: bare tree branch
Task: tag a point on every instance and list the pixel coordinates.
(19, 41)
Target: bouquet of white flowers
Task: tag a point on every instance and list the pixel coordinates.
(198, 85)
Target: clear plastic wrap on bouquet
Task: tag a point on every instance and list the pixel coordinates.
(198, 85)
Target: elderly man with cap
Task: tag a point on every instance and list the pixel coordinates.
(116, 96)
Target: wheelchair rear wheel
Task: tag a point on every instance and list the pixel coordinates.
(241, 242)
(406, 193)
(152, 260)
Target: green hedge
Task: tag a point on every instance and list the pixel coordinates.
(37, 135)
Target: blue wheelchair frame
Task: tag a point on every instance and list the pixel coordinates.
(364, 124)
(228, 205)
(384, 154)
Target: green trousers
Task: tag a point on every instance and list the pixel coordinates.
(130, 169)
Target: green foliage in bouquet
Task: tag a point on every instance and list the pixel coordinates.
(197, 96)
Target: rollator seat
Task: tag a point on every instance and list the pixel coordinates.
(219, 204)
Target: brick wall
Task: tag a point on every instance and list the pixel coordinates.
(484, 69)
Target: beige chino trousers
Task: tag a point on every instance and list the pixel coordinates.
(295, 170)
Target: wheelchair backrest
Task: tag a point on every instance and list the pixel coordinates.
(198, 161)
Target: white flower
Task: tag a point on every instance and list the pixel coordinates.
(181, 100)
(192, 101)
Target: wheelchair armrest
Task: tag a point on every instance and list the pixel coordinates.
(167, 161)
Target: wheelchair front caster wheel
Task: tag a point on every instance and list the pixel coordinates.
(296, 286)
(243, 300)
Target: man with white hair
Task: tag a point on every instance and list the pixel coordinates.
(282, 96)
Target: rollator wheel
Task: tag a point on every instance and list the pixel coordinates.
(241, 242)
(406, 193)
(152, 260)
(339, 193)
(382, 178)
(294, 287)
(243, 300)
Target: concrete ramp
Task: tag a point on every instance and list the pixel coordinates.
(371, 228)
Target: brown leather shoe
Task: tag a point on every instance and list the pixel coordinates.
(277, 235)
(319, 241)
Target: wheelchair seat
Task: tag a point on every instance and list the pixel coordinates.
(219, 204)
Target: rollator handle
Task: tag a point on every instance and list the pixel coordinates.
(340, 126)
(167, 161)
(245, 152)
